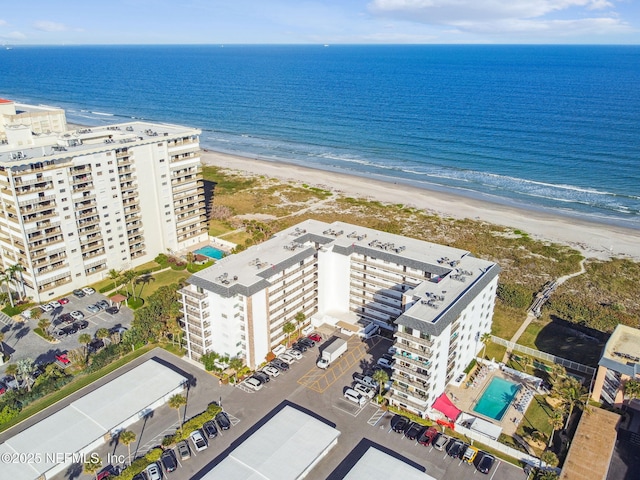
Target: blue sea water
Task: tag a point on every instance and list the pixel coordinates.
(545, 127)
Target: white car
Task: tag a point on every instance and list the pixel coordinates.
(77, 315)
(55, 304)
(287, 358)
(153, 472)
(199, 443)
(385, 362)
(364, 390)
(253, 383)
(46, 307)
(353, 396)
(271, 371)
(88, 290)
(294, 353)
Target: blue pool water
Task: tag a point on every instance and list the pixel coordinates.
(496, 398)
(210, 252)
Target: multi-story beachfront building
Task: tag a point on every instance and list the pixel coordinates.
(75, 204)
(620, 362)
(20, 122)
(440, 298)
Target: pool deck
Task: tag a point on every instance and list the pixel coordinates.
(465, 398)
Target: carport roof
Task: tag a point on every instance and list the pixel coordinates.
(281, 449)
(377, 465)
(86, 420)
(118, 298)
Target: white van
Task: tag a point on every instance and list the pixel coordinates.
(279, 350)
(353, 396)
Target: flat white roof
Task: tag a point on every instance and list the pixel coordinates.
(377, 465)
(84, 421)
(281, 449)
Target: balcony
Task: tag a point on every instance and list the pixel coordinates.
(78, 179)
(394, 309)
(413, 382)
(421, 341)
(411, 403)
(39, 187)
(19, 182)
(92, 254)
(405, 357)
(422, 395)
(38, 208)
(419, 350)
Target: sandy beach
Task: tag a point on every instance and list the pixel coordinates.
(593, 240)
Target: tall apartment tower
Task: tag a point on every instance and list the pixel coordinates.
(438, 300)
(75, 204)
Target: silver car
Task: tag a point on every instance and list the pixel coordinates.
(199, 443)
(154, 472)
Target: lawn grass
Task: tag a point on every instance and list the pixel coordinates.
(237, 237)
(536, 418)
(494, 351)
(506, 320)
(218, 227)
(147, 288)
(72, 387)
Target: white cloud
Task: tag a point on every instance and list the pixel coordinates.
(3, 23)
(508, 16)
(14, 36)
(47, 26)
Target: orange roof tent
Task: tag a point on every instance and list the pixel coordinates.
(118, 298)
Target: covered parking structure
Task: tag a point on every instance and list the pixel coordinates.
(378, 465)
(62, 438)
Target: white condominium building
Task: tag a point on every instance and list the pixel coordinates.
(440, 298)
(75, 204)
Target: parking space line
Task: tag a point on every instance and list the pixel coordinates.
(375, 418)
(494, 472)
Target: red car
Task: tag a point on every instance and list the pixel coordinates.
(62, 357)
(63, 301)
(315, 337)
(427, 436)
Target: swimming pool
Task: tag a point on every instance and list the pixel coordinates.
(496, 398)
(210, 252)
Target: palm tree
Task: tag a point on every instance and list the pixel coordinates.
(557, 372)
(548, 475)
(11, 370)
(114, 275)
(236, 363)
(177, 401)
(25, 367)
(485, 340)
(557, 421)
(300, 318)
(190, 258)
(44, 324)
(85, 338)
(127, 437)
(2, 344)
(36, 313)
(549, 458)
(525, 362)
(288, 328)
(102, 333)
(382, 378)
(128, 277)
(92, 465)
(573, 394)
(632, 389)
(5, 277)
(18, 268)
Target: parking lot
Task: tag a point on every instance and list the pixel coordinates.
(20, 341)
(247, 408)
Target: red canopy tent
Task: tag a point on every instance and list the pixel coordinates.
(444, 405)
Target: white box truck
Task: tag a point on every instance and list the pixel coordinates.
(332, 352)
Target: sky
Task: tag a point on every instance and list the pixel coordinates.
(82, 22)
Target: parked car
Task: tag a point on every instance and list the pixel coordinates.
(140, 476)
(353, 396)
(454, 448)
(391, 350)
(210, 429)
(117, 329)
(109, 471)
(102, 304)
(63, 301)
(287, 358)
(428, 436)
(80, 324)
(154, 472)
(315, 337)
(400, 423)
(77, 315)
(440, 442)
(65, 331)
(79, 293)
(199, 443)
(301, 347)
(88, 291)
(470, 454)
(484, 462)
(55, 304)
(365, 380)
(222, 419)
(46, 307)
(169, 461)
(263, 377)
(413, 431)
(307, 342)
(364, 390)
(112, 310)
(63, 358)
(66, 318)
(183, 450)
(253, 383)
(93, 308)
(95, 345)
(280, 364)
(292, 352)
(385, 362)
(271, 370)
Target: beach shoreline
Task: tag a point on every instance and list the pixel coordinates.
(593, 240)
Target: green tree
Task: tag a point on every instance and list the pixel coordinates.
(127, 437)
(5, 277)
(11, 370)
(85, 339)
(288, 328)
(8, 413)
(547, 475)
(525, 362)
(485, 339)
(93, 465)
(382, 378)
(102, 333)
(209, 360)
(129, 276)
(177, 401)
(115, 276)
(573, 395)
(300, 319)
(549, 458)
(557, 421)
(44, 324)
(36, 313)
(25, 367)
(190, 257)
(632, 389)
(236, 363)
(16, 273)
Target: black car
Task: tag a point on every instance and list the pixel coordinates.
(95, 345)
(79, 293)
(301, 347)
(280, 364)
(112, 310)
(80, 324)
(462, 450)
(168, 460)
(307, 342)
(413, 431)
(400, 423)
(484, 462)
(223, 421)
(70, 330)
(140, 476)
(210, 429)
(454, 448)
(263, 377)
(65, 318)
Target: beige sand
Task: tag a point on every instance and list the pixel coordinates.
(592, 239)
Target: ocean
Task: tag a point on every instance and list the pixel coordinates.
(554, 128)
